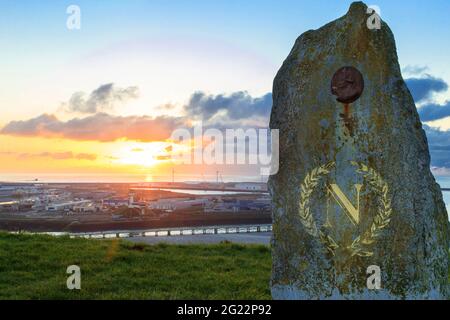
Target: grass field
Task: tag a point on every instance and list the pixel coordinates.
(34, 267)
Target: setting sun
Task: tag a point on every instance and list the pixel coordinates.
(141, 154)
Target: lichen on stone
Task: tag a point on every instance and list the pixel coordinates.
(387, 136)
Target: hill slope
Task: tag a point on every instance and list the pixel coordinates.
(34, 267)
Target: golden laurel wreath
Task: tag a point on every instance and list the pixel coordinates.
(380, 221)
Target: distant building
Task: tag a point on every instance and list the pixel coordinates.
(233, 205)
(116, 202)
(177, 204)
(250, 186)
(66, 206)
(9, 205)
(86, 207)
(18, 190)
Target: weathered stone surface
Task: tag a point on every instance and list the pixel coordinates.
(320, 250)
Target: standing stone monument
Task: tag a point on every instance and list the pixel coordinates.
(357, 213)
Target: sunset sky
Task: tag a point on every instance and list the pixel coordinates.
(103, 100)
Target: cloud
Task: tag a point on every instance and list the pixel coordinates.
(433, 111)
(236, 107)
(59, 155)
(437, 171)
(30, 127)
(163, 157)
(437, 138)
(99, 127)
(414, 70)
(423, 88)
(439, 144)
(104, 97)
(167, 107)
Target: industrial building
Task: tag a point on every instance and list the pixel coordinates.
(250, 186)
(238, 205)
(9, 205)
(67, 206)
(177, 204)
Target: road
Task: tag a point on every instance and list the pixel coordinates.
(244, 238)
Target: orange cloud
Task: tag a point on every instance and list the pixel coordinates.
(99, 127)
(59, 155)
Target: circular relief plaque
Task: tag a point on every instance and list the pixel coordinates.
(347, 84)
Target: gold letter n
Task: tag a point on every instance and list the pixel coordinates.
(345, 203)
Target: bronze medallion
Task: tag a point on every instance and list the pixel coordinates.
(347, 84)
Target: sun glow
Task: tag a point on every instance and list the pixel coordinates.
(141, 154)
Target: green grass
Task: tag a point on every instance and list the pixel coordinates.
(34, 267)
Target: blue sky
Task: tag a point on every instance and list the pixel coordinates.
(36, 29)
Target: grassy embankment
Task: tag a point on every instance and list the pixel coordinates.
(34, 267)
